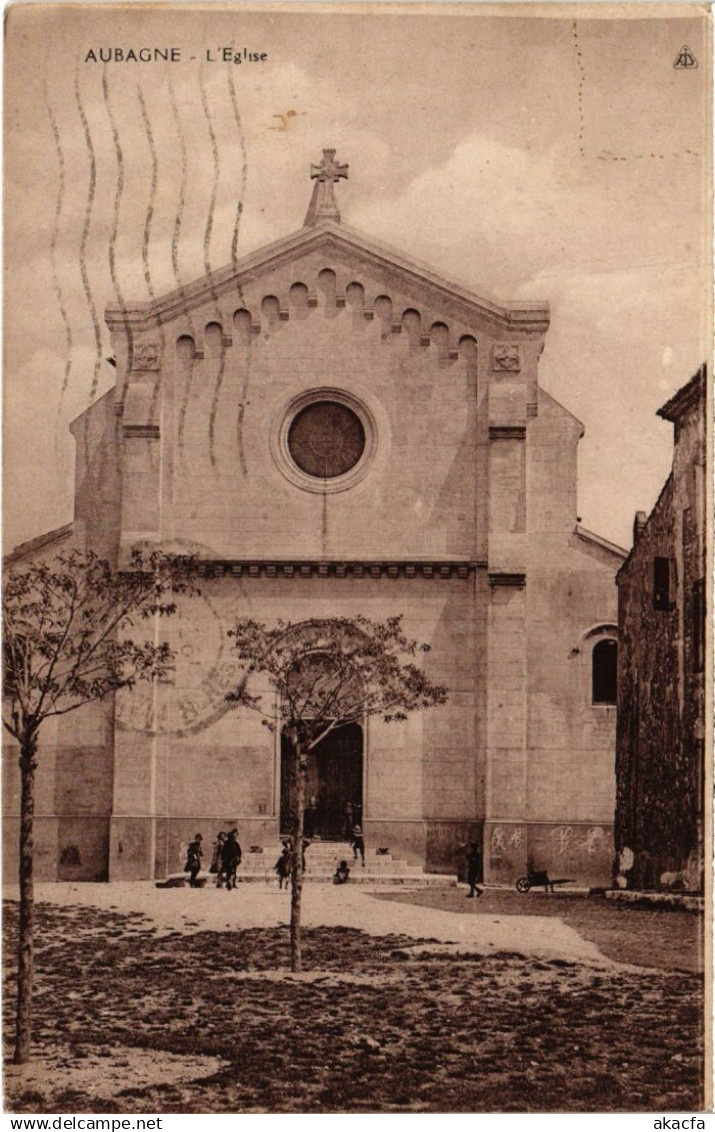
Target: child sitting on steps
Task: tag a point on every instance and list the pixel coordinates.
(342, 873)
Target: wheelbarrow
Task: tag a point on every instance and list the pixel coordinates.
(531, 880)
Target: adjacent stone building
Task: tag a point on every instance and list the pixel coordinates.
(333, 428)
(661, 680)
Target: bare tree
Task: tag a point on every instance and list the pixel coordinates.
(326, 674)
(69, 640)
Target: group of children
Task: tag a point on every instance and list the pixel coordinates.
(283, 865)
(227, 857)
(224, 862)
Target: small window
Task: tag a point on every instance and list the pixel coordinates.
(698, 625)
(604, 672)
(662, 582)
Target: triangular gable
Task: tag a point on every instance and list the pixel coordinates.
(91, 410)
(602, 545)
(548, 401)
(531, 315)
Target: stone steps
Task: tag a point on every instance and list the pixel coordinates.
(321, 860)
(423, 880)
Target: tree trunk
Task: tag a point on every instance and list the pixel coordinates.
(25, 957)
(300, 763)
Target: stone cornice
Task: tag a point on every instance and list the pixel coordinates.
(141, 431)
(507, 432)
(342, 568)
(502, 578)
(523, 316)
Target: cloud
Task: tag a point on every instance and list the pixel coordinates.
(503, 214)
(509, 206)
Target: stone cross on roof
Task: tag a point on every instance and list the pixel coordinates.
(323, 205)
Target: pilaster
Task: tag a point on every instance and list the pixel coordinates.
(506, 618)
(141, 457)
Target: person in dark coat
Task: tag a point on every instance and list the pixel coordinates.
(349, 820)
(474, 868)
(231, 858)
(283, 865)
(310, 817)
(358, 843)
(194, 853)
(217, 860)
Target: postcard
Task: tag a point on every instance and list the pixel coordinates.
(357, 481)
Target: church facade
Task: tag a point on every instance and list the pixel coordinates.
(333, 429)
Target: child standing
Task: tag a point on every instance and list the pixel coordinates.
(194, 853)
(474, 861)
(217, 860)
(358, 843)
(282, 865)
(231, 858)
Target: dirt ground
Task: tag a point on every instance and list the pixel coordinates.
(657, 937)
(134, 1018)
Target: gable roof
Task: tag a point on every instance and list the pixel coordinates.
(602, 543)
(91, 409)
(547, 399)
(526, 315)
(688, 396)
(42, 542)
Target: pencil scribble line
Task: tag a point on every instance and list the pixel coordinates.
(145, 253)
(115, 229)
(178, 222)
(92, 188)
(152, 193)
(207, 266)
(179, 218)
(244, 170)
(582, 77)
(234, 261)
(59, 203)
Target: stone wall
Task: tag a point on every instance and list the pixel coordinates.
(659, 814)
(205, 764)
(73, 797)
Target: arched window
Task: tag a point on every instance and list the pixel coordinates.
(604, 672)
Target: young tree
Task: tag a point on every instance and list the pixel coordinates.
(69, 640)
(326, 674)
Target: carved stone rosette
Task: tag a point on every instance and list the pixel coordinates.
(506, 357)
(147, 357)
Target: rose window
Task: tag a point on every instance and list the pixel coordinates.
(326, 439)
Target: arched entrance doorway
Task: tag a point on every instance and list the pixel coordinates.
(335, 775)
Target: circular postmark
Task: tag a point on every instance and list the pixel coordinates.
(193, 695)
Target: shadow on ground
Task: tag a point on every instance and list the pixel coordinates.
(376, 1026)
(662, 937)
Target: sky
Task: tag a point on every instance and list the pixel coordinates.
(557, 157)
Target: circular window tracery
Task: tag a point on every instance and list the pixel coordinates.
(324, 440)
